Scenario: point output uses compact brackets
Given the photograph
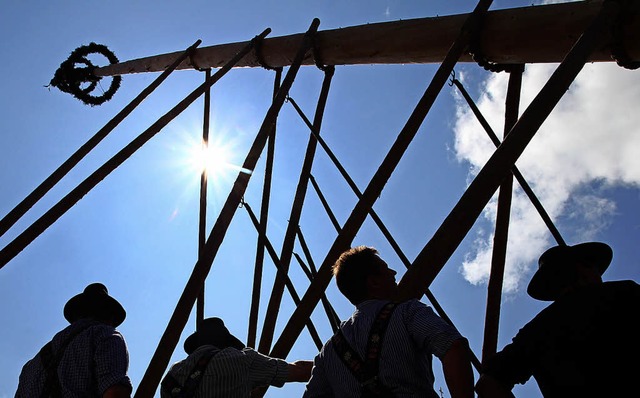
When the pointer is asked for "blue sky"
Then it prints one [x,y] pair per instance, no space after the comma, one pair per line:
[137,230]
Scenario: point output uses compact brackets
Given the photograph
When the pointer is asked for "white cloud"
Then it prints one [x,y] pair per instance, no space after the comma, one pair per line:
[589,143]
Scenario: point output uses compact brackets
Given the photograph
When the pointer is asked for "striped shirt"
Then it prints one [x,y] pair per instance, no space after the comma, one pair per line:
[94,360]
[231,373]
[414,335]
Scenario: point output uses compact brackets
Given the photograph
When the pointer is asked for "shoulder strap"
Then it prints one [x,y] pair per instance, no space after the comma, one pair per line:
[376,335]
[348,356]
[50,362]
[366,371]
[188,390]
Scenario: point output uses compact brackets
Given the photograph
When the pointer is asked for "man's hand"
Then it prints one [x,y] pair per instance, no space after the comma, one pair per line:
[300,371]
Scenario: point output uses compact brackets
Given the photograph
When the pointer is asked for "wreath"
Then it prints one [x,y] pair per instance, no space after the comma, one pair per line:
[76,75]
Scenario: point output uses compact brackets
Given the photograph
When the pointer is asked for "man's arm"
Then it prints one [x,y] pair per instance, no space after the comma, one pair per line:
[318,385]
[300,371]
[456,366]
[489,387]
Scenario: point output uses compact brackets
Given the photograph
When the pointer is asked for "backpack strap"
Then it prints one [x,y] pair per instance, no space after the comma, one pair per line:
[51,361]
[188,390]
[366,371]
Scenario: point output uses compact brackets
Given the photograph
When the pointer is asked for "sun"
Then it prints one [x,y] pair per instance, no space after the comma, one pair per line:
[211,158]
[215,158]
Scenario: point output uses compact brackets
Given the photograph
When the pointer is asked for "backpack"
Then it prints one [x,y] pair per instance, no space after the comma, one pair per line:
[366,371]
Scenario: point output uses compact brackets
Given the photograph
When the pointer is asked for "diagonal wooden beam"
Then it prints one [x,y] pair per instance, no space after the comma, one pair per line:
[313,294]
[446,239]
[171,335]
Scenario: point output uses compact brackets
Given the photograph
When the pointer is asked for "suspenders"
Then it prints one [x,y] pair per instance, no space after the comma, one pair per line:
[176,390]
[51,360]
[367,371]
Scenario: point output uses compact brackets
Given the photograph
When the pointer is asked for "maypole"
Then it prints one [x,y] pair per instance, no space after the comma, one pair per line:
[523,35]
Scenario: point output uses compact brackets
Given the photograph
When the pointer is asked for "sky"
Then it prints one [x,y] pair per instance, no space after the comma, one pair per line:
[137,231]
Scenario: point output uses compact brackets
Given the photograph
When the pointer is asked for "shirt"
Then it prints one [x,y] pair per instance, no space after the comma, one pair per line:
[231,373]
[94,360]
[414,335]
[585,344]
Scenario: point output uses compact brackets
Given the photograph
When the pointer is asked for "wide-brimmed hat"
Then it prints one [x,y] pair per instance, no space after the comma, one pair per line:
[212,332]
[94,302]
[556,267]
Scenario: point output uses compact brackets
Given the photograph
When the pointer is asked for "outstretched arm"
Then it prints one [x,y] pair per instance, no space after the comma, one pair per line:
[456,366]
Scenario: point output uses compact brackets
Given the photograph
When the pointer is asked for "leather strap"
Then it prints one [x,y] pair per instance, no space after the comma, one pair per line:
[51,361]
[188,390]
[366,371]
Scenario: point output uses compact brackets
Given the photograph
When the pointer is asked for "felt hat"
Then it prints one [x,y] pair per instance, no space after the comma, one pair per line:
[212,332]
[94,302]
[556,267]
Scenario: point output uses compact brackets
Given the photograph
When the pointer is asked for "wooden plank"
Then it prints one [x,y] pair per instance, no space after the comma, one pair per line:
[534,34]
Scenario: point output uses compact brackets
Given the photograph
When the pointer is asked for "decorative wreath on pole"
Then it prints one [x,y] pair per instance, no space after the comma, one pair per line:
[75,75]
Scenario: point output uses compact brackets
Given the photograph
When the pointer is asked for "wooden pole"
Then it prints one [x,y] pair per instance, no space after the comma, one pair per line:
[202,222]
[516,173]
[264,217]
[523,35]
[273,308]
[287,281]
[501,234]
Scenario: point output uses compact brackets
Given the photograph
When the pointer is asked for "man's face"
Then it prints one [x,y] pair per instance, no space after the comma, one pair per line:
[383,284]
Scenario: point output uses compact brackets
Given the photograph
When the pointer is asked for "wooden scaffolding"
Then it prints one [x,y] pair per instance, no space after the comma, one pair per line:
[570,34]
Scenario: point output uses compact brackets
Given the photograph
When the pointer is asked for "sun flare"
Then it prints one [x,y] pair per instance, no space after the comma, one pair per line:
[215,159]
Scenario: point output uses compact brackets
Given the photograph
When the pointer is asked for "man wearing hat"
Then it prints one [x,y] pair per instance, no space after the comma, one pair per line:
[585,343]
[219,365]
[88,358]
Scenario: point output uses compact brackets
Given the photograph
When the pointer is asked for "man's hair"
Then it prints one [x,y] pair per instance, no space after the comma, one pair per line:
[352,269]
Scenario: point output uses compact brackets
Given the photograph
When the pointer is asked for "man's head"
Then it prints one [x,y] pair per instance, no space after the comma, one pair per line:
[213,332]
[562,267]
[362,275]
[95,303]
